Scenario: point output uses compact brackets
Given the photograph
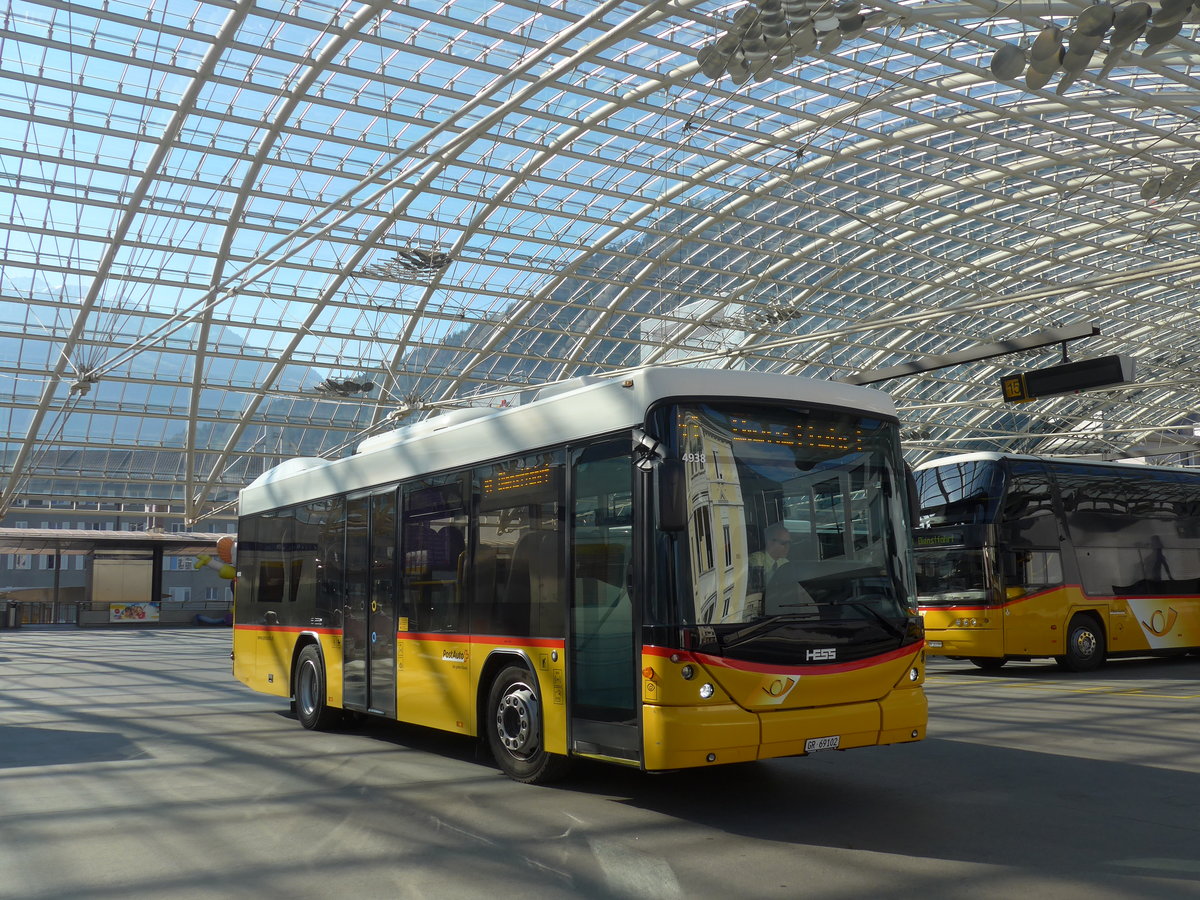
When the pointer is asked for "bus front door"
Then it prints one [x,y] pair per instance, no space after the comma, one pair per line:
[603,665]
[369,635]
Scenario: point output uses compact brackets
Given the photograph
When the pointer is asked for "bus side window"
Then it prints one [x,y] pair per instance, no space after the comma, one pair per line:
[266,546]
[331,549]
[1033,569]
[433,545]
[1029,518]
[517,579]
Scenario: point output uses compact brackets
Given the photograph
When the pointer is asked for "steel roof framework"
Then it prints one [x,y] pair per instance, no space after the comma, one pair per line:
[213,207]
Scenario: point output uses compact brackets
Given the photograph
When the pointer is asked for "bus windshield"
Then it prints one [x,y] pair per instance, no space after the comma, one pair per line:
[962,493]
[796,514]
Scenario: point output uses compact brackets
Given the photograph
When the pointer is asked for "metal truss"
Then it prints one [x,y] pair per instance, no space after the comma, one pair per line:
[213,211]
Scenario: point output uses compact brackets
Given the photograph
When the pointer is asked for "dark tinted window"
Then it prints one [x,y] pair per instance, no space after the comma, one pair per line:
[433,543]
[963,493]
[1134,530]
[517,577]
[279,566]
[263,559]
[330,562]
[1029,515]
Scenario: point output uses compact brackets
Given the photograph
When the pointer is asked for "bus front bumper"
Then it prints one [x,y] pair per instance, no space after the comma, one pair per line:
[963,632]
[964,642]
[687,737]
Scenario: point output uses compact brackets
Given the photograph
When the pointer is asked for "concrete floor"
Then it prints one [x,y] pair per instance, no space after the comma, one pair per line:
[133,766]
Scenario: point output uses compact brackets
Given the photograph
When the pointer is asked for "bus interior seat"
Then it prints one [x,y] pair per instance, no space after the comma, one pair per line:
[419,539]
[449,548]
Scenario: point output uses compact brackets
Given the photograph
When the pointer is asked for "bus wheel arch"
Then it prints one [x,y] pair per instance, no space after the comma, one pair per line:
[1085,643]
[309,688]
[514,726]
[493,666]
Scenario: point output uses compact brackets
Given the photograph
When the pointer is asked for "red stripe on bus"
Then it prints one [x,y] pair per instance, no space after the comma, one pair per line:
[1102,598]
[721,662]
[1013,602]
[293,628]
[502,640]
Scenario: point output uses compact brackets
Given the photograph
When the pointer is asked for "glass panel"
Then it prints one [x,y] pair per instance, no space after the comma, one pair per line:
[948,577]
[963,493]
[518,572]
[357,587]
[1029,517]
[602,673]
[1032,570]
[331,551]
[265,561]
[434,541]
[305,555]
[1133,528]
[381,634]
[806,506]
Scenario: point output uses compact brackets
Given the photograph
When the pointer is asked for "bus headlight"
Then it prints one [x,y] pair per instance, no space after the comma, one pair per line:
[913,674]
[706,691]
[688,673]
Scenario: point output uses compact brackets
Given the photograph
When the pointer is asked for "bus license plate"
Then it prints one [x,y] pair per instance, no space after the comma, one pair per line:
[812,745]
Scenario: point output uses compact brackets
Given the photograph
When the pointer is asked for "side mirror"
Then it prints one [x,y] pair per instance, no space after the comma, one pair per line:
[671,487]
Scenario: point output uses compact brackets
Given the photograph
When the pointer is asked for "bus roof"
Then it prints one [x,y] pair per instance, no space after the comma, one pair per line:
[570,411]
[980,455]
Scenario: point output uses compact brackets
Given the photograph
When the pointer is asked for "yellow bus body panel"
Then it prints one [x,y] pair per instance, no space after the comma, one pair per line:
[1036,624]
[759,714]
[547,658]
[433,682]
[945,638]
[752,714]
[262,659]
[439,678]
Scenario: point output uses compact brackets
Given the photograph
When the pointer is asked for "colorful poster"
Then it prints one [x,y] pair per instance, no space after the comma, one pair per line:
[146,611]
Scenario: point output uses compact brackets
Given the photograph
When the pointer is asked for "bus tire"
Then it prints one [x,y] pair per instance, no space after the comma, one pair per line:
[989,663]
[1085,645]
[515,729]
[309,691]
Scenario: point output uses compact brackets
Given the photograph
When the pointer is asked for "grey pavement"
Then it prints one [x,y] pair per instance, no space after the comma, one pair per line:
[132,765]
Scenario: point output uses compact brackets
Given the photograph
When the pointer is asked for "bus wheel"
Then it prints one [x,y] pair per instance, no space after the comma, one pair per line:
[309,690]
[515,729]
[989,663]
[1085,646]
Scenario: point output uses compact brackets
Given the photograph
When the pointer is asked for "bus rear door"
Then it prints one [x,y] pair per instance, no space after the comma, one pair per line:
[369,636]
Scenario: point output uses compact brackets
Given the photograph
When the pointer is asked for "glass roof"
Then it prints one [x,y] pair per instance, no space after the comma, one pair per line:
[235,232]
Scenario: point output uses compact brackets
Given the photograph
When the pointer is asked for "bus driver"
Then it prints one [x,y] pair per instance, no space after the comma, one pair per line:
[770,567]
[775,553]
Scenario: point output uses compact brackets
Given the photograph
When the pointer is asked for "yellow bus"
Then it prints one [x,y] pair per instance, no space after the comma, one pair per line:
[1021,557]
[580,575]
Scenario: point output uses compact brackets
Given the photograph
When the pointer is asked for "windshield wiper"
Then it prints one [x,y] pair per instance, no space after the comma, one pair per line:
[766,624]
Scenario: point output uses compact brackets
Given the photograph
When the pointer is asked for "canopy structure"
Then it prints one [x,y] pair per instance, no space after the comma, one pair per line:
[235,232]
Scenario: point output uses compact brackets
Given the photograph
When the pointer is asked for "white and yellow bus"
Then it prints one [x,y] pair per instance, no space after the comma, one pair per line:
[1020,557]
[576,576]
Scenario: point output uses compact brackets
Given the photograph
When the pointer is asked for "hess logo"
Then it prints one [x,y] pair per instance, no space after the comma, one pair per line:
[819,655]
